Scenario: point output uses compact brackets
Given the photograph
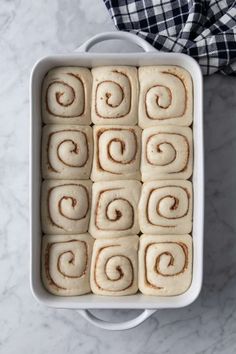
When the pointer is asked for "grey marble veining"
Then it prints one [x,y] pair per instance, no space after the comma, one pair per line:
[28,31]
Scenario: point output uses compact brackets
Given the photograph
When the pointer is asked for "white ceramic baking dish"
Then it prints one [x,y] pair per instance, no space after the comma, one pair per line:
[83,303]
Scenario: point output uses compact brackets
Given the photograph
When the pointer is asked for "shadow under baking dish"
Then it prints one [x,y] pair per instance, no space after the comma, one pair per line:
[137,301]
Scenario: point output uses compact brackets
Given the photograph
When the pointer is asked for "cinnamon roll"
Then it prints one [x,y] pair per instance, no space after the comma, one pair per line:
[65,206]
[114,267]
[167,153]
[66,264]
[114,208]
[117,153]
[165,207]
[165,264]
[66,95]
[67,151]
[166,96]
[115,95]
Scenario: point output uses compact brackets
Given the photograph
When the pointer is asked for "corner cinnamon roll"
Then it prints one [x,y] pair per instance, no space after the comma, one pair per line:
[165,264]
[115,95]
[116,153]
[167,153]
[66,95]
[114,267]
[66,264]
[67,151]
[65,206]
[166,96]
[165,207]
[114,209]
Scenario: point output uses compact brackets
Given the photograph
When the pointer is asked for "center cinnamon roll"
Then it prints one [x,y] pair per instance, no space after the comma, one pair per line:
[114,95]
[116,153]
[114,266]
[165,207]
[114,208]
[65,206]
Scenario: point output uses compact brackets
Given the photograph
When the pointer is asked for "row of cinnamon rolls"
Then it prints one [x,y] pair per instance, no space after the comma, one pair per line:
[122,95]
[116,208]
[156,265]
[116,152]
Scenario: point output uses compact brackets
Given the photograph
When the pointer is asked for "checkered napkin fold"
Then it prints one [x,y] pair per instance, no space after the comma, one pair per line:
[203,29]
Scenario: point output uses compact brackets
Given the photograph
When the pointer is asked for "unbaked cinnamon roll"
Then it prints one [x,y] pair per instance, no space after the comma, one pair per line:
[66,264]
[67,151]
[116,153]
[114,208]
[165,264]
[66,96]
[115,95]
[167,153]
[166,96]
[114,268]
[165,207]
[65,206]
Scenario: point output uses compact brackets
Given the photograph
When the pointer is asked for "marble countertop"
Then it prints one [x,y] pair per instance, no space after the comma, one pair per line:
[28,31]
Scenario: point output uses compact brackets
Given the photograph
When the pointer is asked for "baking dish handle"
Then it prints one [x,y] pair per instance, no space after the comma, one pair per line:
[115,326]
[116,35]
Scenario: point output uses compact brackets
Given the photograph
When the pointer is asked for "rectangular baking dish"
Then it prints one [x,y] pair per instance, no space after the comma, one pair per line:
[83,58]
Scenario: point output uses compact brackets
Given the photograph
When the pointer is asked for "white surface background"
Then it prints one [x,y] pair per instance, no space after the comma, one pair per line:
[28,31]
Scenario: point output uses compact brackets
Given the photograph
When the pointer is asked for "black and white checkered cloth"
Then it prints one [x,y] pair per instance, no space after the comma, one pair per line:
[203,29]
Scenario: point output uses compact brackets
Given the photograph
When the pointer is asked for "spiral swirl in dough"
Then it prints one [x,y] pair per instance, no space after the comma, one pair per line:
[66,95]
[115,95]
[167,153]
[114,266]
[65,206]
[165,264]
[114,208]
[67,151]
[165,96]
[116,153]
[165,207]
[66,264]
